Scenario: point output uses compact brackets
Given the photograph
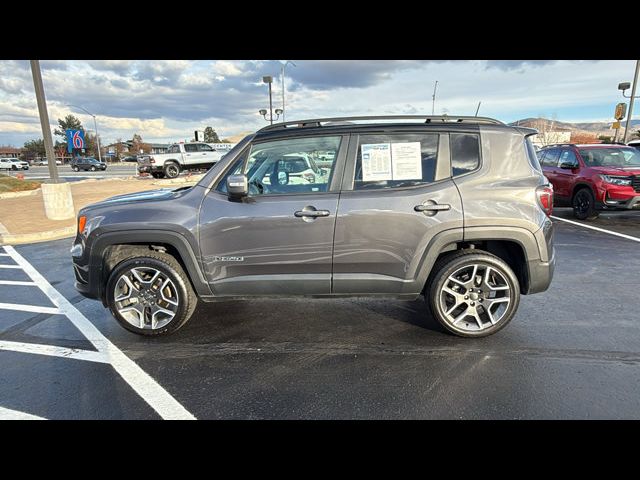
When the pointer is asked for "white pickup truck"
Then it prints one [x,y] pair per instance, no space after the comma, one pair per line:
[180,157]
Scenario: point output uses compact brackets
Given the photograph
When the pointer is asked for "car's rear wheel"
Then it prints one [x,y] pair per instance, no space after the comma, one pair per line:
[171,170]
[150,295]
[584,205]
[473,294]
[13,167]
[157,175]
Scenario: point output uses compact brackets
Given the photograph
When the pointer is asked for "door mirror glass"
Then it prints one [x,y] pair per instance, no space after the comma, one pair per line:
[283,178]
[237,186]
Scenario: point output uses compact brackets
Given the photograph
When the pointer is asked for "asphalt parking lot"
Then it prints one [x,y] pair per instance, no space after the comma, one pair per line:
[115,170]
[572,352]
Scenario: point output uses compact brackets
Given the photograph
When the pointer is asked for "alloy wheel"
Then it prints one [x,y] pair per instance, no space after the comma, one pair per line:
[475,297]
[146,298]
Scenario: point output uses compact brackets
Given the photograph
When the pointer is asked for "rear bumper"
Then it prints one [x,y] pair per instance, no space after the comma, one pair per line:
[541,274]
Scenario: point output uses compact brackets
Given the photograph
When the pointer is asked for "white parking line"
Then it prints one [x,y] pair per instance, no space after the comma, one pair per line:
[54,351]
[622,235]
[9,266]
[8,414]
[4,255]
[30,308]
[144,385]
[15,282]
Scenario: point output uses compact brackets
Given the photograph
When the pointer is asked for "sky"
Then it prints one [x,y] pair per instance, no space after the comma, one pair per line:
[166,100]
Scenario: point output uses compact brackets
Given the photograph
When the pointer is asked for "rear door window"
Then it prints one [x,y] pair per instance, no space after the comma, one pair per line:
[551,157]
[395,160]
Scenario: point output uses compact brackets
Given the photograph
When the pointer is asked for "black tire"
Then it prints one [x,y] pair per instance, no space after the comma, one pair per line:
[93,169]
[584,205]
[13,167]
[447,266]
[157,175]
[168,265]
[171,170]
[75,169]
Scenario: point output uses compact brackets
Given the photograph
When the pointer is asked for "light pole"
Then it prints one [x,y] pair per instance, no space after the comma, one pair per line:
[624,86]
[263,112]
[288,62]
[95,124]
[269,80]
[433,105]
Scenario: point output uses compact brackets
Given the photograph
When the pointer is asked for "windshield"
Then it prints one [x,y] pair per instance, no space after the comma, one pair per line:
[611,157]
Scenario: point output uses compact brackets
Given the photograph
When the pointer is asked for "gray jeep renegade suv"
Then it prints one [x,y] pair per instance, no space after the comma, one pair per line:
[452,208]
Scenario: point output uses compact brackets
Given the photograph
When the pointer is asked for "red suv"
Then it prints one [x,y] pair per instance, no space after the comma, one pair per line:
[593,177]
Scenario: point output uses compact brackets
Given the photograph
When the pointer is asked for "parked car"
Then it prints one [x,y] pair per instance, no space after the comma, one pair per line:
[593,177]
[408,208]
[180,157]
[130,158]
[44,162]
[13,164]
[87,163]
[294,168]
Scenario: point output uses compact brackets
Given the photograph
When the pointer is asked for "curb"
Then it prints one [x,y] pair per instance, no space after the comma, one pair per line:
[25,193]
[22,238]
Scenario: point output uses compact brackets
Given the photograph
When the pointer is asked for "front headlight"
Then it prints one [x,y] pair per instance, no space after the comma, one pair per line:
[614,180]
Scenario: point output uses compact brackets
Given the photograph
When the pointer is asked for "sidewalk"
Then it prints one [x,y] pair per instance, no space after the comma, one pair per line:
[23,220]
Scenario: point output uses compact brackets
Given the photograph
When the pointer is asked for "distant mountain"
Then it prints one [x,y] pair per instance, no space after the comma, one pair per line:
[573,127]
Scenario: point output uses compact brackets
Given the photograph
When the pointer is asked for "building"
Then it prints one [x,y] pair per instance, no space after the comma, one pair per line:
[9,152]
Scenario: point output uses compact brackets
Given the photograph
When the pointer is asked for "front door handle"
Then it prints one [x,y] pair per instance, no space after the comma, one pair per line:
[431,208]
[312,213]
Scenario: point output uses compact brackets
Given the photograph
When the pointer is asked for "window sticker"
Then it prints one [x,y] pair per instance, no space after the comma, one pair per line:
[376,162]
[406,161]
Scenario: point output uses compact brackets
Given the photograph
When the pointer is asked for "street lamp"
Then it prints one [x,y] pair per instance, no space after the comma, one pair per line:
[288,62]
[264,112]
[95,124]
[268,79]
[625,86]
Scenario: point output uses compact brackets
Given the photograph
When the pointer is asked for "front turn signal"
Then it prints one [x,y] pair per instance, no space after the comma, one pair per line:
[82,221]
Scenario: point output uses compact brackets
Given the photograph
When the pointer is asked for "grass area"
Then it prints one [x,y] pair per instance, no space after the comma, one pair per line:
[12,184]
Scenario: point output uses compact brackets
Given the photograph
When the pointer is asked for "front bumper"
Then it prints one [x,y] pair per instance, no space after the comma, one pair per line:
[632,203]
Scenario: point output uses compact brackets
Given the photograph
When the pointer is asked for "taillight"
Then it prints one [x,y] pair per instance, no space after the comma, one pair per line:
[545,198]
[152,160]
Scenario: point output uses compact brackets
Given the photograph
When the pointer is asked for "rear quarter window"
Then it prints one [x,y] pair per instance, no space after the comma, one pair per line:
[532,155]
[465,153]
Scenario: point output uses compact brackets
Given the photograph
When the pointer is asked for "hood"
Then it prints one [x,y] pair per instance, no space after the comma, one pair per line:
[142,197]
[617,170]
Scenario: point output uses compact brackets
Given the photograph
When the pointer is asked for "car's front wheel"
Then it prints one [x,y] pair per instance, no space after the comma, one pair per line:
[584,205]
[75,169]
[473,294]
[93,169]
[150,295]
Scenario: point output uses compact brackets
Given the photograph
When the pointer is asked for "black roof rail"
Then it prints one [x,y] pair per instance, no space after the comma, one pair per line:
[317,122]
[559,145]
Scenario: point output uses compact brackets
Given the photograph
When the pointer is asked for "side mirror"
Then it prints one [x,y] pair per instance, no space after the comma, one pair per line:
[237,186]
[283,178]
[568,165]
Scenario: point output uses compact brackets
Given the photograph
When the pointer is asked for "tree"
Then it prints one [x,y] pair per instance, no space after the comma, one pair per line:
[34,148]
[583,137]
[137,144]
[605,139]
[637,134]
[210,135]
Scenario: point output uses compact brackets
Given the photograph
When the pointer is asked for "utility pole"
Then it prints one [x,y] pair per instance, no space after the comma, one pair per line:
[433,104]
[44,121]
[56,194]
[633,94]
[478,109]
